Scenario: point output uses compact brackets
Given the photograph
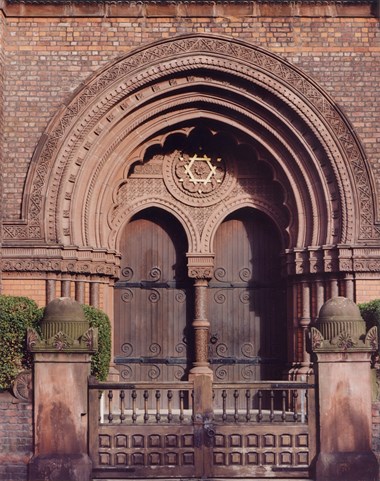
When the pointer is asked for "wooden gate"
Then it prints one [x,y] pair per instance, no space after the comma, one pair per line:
[160,424]
[254,430]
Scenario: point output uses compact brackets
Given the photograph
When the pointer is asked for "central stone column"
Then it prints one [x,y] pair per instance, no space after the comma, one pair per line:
[343,351]
[200,268]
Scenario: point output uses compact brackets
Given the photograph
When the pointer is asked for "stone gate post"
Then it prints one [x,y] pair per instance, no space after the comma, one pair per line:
[60,378]
[342,352]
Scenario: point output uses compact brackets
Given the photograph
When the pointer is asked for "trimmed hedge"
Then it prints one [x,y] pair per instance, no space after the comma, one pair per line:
[16,315]
[19,313]
[100,360]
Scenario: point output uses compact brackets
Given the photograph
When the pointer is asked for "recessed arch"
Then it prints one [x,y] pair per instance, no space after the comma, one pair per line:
[138,98]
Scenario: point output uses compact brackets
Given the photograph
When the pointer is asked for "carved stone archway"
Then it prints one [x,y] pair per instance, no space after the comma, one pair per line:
[78,194]
[131,102]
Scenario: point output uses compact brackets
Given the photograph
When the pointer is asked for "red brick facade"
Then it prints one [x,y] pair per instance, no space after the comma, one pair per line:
[313,67]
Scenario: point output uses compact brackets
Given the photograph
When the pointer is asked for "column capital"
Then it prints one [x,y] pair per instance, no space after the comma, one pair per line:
[200,266]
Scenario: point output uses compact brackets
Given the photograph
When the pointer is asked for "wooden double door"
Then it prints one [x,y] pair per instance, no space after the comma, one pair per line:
[154,301]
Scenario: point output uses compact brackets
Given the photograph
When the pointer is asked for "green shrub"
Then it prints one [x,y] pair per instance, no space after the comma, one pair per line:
[16,315]
[19,313]
[370,312]
[100,360]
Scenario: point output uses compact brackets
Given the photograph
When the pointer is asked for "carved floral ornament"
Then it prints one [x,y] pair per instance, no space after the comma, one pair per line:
[61,341]
[64,153]
[344,341]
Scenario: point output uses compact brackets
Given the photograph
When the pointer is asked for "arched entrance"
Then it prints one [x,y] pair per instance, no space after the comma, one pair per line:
[230,141]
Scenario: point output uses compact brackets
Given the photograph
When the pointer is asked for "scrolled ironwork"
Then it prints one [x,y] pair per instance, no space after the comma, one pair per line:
[127,349]
[221,373]
[126,373]
[245,274]
[180,296]
[154,296]
[244,297]
[221,350]
[155,274]
[127,273]
[180,348]
[220,273]
[155,348]
[127,296]
[154,372]
[248,372]
[248,350]
[220,297]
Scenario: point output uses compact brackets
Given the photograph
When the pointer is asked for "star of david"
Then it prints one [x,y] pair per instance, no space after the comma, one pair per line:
[201,170]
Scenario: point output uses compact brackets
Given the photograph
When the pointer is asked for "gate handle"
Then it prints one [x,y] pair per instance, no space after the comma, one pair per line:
[210,431]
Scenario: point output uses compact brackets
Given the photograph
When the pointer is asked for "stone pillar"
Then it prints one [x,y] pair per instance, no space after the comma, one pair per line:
[343,350]
[200,268]
[61,369]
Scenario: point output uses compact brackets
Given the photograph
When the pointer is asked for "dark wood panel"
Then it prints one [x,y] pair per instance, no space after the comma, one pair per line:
[153,300]
[246,299]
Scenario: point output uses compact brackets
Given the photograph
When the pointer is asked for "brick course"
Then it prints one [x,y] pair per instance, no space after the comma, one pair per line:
[48,58]
[16,438]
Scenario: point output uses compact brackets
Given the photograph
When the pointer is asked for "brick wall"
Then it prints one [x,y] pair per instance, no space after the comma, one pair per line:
[16,438]
[2,67]
[376,429]
[47,58]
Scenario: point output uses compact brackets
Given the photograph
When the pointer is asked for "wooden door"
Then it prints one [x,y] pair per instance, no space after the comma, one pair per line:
[246,300]
[152,306]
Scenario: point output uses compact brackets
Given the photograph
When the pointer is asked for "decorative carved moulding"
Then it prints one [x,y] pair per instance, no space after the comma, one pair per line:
[61,341]
[22,386]
[331,259]
[200,266]
[344,341]
[70,261]
[123,102]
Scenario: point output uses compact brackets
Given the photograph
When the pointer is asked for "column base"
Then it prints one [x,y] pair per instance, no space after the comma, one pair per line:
[352,466]
[60,467]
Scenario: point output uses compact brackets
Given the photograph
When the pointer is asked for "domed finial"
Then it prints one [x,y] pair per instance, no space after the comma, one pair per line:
[63,327]
[340,326]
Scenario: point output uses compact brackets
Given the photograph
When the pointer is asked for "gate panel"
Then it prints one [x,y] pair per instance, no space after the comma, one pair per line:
[144,431]
[255,430]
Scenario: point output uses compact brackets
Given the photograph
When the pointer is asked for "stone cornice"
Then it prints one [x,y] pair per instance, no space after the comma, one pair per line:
[192,2]
[331,259]
[189,8]
[68,260]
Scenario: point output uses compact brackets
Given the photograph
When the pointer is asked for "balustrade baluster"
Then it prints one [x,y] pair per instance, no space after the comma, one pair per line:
[283,414]
[146,398]
[248,405]
[158,415]
[236,404]
[110,397]
[170,397]
[122,405]
[181,405]
[224,409]
[260,412]
[295,396]
[134,412]
[271,413]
